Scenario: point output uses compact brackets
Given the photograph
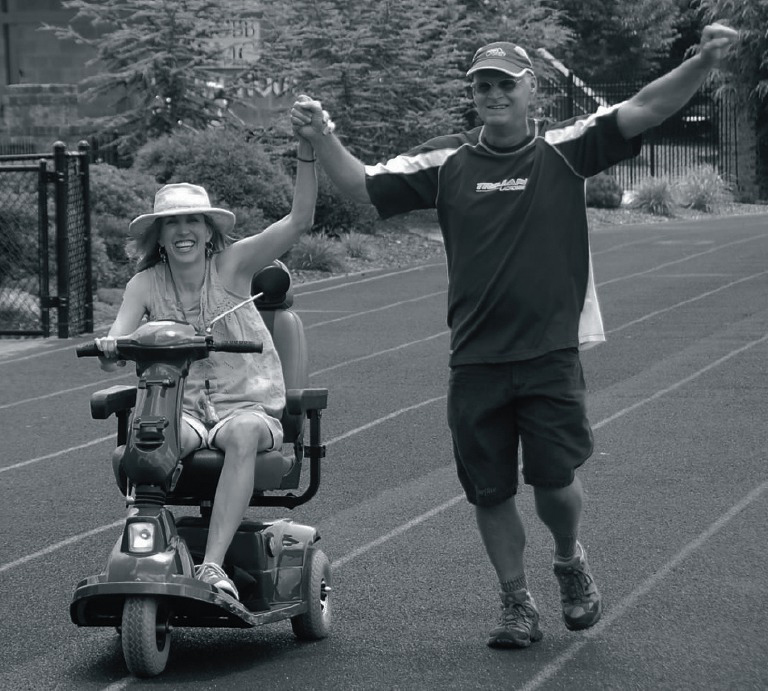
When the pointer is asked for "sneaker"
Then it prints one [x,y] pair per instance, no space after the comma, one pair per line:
[214,575]
[582,604]
[519,624]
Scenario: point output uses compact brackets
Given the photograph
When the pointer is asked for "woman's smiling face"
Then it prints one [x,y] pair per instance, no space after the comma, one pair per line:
[184,236]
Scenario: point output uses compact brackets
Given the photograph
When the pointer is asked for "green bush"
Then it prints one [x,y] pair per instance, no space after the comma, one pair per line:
[120,192]
[235,172]
[702,189]
[315,253]
[336,214]
[604,191]
[357,245]
[654,196]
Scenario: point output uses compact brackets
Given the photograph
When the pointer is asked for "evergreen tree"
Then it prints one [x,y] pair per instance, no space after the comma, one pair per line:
[153,59]
[392,72]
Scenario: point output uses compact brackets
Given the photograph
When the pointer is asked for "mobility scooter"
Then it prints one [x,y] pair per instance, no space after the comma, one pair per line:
[148,586]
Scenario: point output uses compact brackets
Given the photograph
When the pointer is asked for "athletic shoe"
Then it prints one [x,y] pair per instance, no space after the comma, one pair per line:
[519,624]
[214,575]
[582,604]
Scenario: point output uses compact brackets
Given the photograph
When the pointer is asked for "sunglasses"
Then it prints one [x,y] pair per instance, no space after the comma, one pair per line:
[507,86]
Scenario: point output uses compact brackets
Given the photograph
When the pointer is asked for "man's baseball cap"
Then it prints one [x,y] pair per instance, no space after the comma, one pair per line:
[502,56]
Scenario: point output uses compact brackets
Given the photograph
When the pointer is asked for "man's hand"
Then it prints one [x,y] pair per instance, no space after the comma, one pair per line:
[308,118]
[715,41]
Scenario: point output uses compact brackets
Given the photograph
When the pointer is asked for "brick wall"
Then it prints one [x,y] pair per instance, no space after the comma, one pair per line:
[38,114]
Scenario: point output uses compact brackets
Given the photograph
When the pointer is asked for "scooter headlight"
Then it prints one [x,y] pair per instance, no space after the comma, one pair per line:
[141,537]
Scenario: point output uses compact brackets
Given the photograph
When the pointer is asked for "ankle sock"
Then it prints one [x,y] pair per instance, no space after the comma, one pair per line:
[515,584]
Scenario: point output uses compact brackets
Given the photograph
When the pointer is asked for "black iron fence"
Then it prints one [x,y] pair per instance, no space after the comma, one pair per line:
[702,133]
[45,243]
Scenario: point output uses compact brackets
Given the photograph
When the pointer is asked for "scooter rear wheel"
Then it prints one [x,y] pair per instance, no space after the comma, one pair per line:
[146,635]
[315,623]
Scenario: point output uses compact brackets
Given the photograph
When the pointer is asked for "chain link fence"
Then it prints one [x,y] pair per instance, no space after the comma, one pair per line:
[45,244]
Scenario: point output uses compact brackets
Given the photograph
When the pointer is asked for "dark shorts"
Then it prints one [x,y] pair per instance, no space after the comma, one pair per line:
[539,404]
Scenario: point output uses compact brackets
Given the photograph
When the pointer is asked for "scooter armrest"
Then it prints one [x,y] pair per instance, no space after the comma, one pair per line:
[299,401]
[112,400]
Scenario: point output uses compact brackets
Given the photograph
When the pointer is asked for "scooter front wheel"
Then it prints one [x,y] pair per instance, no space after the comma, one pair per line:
[315,623]
[146,635]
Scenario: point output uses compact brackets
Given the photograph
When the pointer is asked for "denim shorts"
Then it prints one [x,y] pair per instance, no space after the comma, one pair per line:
[538,404]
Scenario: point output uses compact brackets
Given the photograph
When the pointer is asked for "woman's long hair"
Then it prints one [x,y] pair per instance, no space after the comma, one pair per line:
[145,250]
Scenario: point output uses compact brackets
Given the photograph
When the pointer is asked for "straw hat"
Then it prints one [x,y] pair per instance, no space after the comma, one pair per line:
[183,198]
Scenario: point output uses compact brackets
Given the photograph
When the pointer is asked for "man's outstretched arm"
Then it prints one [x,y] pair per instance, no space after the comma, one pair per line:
[664,96]
[346,172]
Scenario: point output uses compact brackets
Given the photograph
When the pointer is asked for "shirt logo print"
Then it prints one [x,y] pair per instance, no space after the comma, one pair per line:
[507,185]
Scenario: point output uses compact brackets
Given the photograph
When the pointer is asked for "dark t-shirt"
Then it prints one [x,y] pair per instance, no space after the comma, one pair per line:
[515,229]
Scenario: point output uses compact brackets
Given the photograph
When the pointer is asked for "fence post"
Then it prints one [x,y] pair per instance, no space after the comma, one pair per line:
[570,93]
[42,247]
[85,182]
[62,237]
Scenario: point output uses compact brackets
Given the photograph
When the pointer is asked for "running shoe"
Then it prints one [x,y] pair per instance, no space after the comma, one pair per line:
[519,623]
[214,575]
[582,604]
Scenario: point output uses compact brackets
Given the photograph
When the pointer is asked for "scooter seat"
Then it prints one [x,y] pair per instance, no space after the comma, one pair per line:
[201,470]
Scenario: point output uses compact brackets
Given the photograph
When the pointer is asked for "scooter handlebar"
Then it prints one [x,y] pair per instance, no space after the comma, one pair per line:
[87,350]
[237,346]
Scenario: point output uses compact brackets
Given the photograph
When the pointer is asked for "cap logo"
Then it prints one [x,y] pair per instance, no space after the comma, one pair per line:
[495,53]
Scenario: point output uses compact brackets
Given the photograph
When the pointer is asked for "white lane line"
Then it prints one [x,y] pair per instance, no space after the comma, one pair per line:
[701,296]
[58,545]
[375,310]
[379,352]
[619,610]
[34,355]
[369,279]
[349,556]
[65,391]
[61,452]
[680,261]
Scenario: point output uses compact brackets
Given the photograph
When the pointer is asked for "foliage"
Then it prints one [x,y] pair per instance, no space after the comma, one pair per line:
[234,171]
[391,73]
[654,196]
[702,189]
[317,253]
[617,37]
[604,191]
[745,74]
[357,245]
[152,57]
[335,213]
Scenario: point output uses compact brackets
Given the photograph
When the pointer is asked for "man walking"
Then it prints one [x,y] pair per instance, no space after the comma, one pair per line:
[521,301]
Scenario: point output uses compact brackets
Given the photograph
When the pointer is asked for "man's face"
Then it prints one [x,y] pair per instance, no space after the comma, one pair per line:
[501,99]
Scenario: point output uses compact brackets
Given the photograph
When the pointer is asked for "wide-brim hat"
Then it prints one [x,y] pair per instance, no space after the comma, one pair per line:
[182,198]
[502,56]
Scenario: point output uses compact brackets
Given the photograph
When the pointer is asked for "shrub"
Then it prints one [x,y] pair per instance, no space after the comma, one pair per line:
[315,253]
[336,214]
[654,196]
[235,172]
[604,191]
[119,192]
[357,245]
[702,189]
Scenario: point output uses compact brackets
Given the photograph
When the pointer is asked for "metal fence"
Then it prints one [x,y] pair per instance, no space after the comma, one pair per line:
[702,133]
[45,241]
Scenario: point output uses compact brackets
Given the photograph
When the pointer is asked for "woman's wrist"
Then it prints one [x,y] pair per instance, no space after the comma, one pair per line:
[305,152]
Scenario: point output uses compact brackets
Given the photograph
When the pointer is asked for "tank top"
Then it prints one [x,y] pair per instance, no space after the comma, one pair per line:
[227,381]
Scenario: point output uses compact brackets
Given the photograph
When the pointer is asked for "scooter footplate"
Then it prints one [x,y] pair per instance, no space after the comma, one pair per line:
[98,602]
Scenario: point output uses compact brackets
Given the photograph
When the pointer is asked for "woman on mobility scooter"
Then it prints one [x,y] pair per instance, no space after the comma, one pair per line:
[189,272]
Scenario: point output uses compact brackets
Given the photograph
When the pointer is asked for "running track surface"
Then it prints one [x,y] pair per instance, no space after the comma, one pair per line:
[677,494]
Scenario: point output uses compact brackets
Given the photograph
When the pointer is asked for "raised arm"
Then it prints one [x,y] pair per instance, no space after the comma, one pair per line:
[241,260]
[664,96]
[346,172]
